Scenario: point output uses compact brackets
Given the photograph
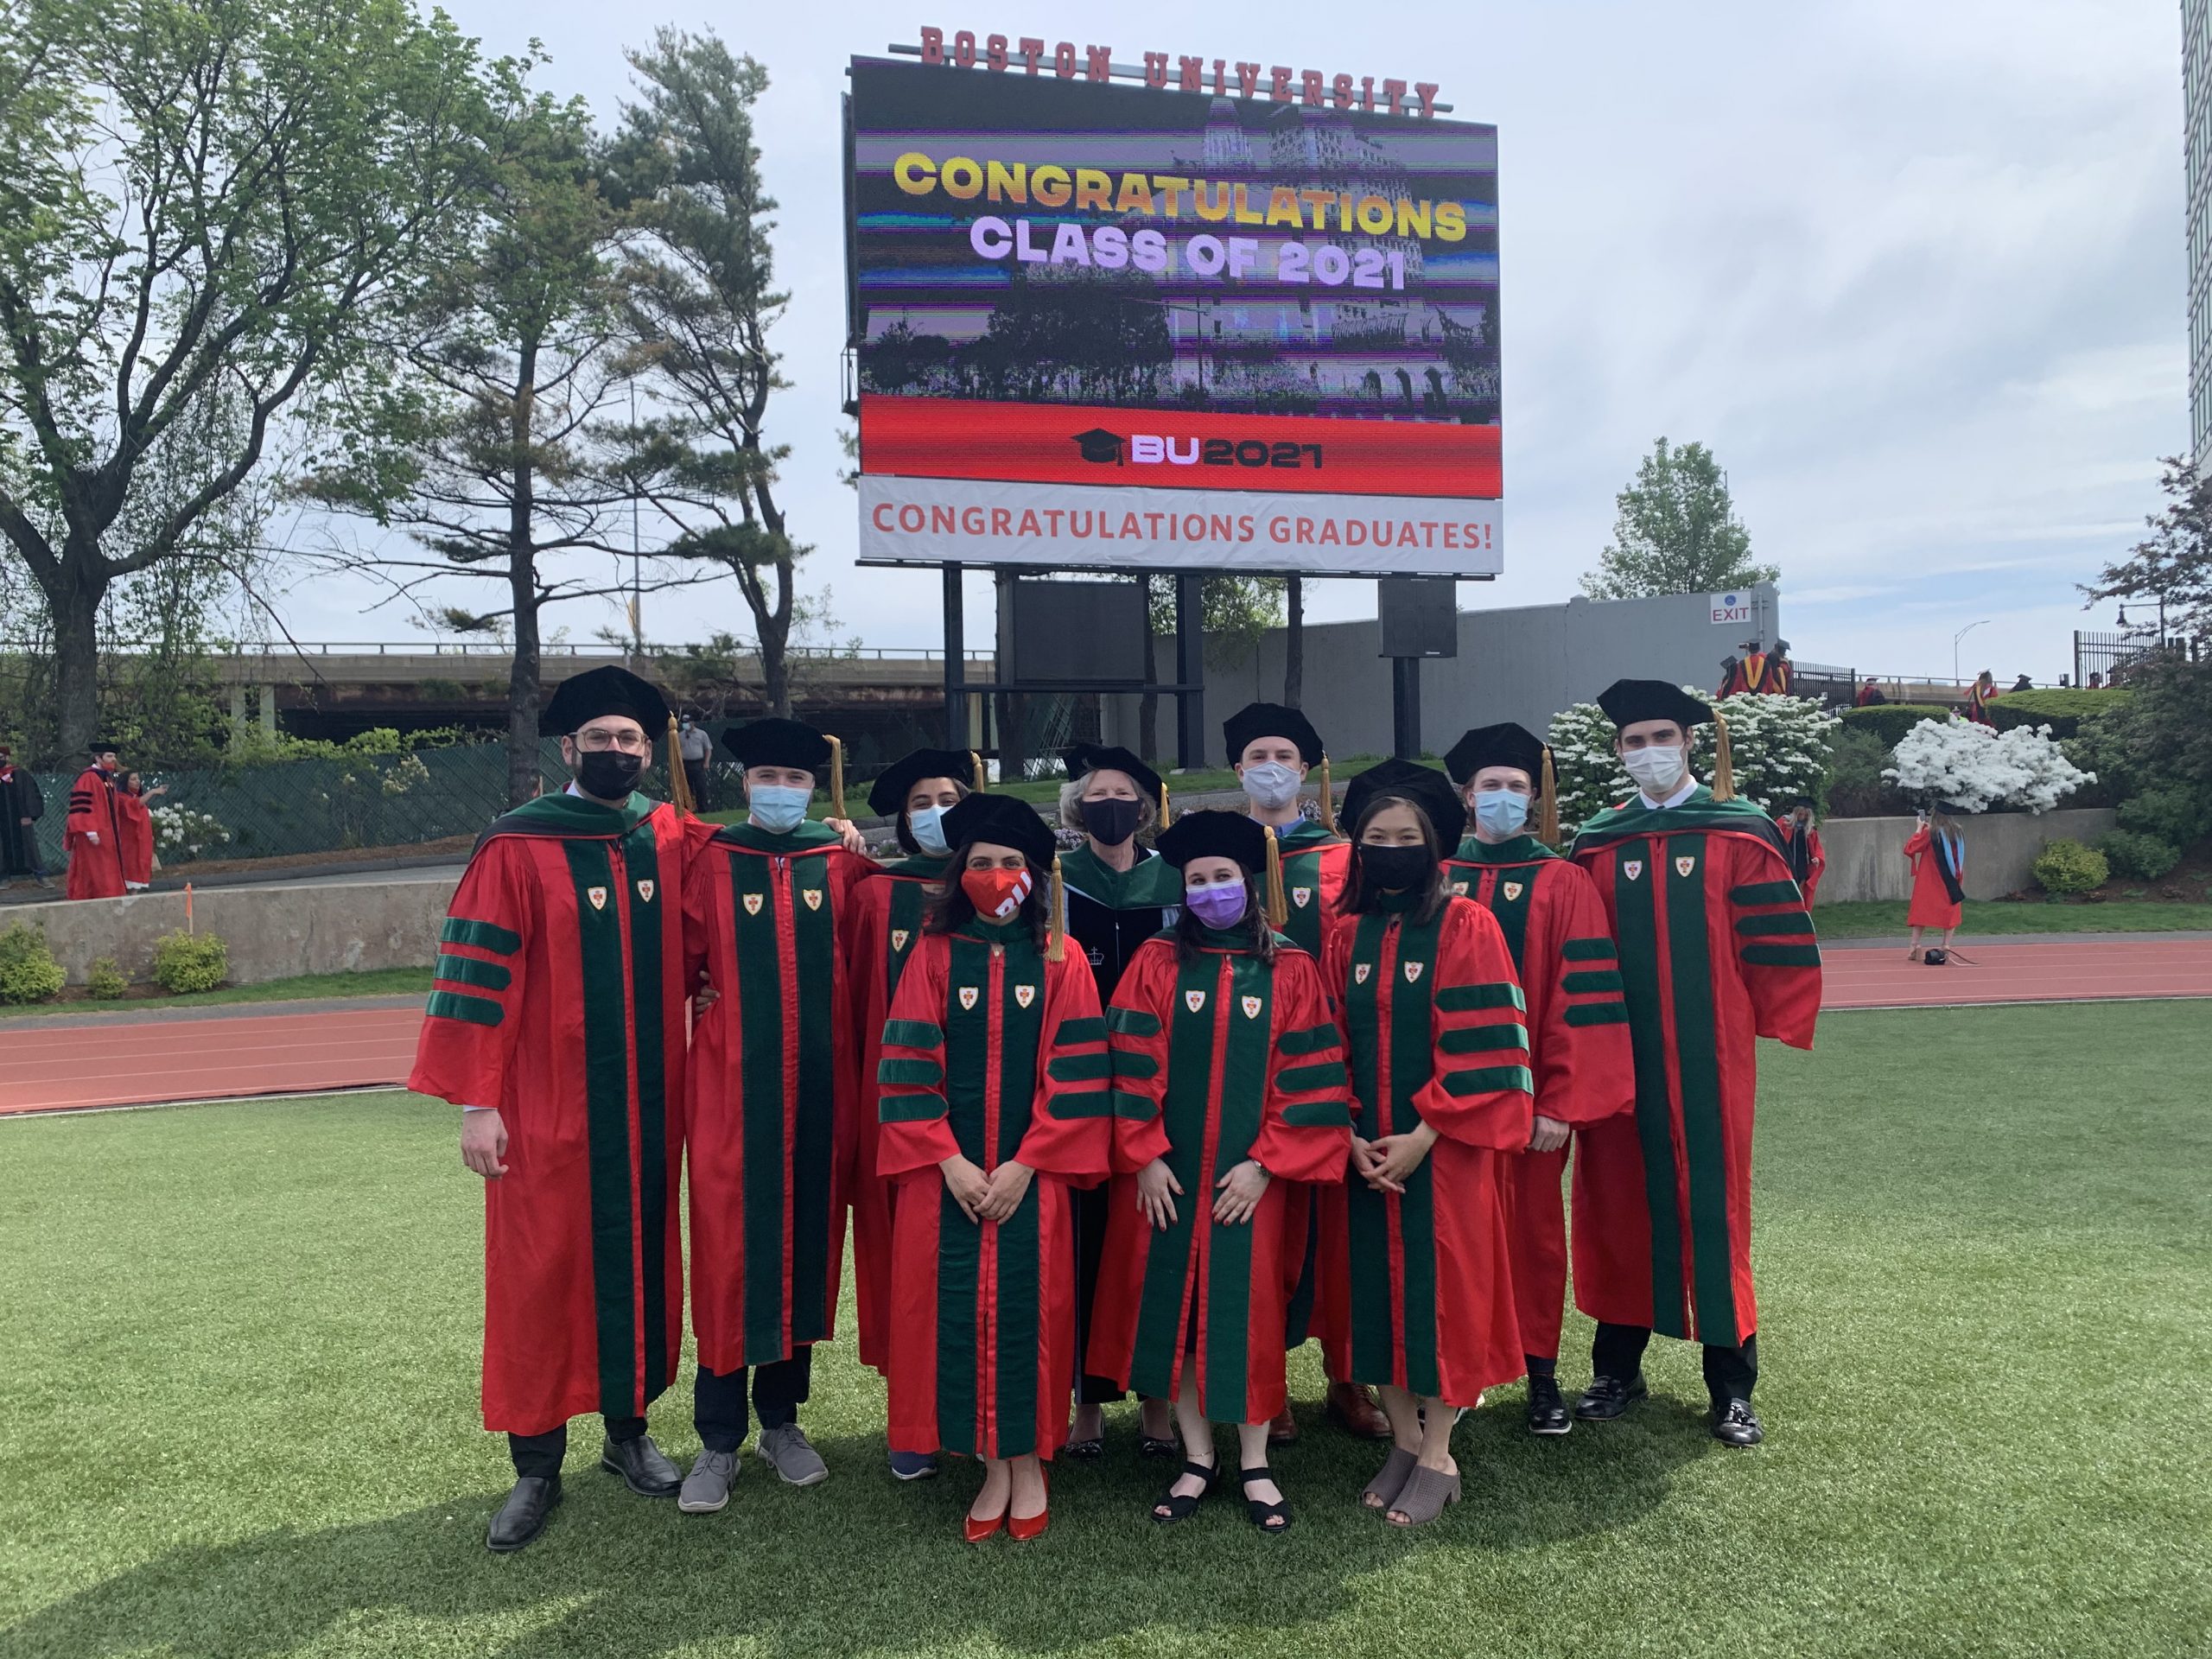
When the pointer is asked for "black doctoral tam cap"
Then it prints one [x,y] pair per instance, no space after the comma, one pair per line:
[1215,835]
[1626,701]
[775,742]
[1426,787]
[1004,820]
[1271,720]
[887,796]
[1084,759]
[1503,745]
[584,698]
[103,746]
[1100,445]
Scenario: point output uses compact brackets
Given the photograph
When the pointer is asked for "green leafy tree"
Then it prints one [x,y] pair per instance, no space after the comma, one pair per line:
[2172,566]
[195,195]
[1234,611]
[1676,532]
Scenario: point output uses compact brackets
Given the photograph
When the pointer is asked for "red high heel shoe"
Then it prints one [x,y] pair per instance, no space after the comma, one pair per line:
[979,1531]
[1022,1531]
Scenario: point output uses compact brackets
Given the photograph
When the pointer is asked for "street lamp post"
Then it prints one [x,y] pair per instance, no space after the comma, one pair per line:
[1955,638]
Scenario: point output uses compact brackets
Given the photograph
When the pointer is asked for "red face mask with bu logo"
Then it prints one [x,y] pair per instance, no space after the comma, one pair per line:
[996,894]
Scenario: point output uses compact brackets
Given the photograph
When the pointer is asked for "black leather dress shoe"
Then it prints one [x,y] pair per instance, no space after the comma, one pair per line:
[522,1517]
[643,1467]
[1734,1423]
[1547,1410]
[1607,1397]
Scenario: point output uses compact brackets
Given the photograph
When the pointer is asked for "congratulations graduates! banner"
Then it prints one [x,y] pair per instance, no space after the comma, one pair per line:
[1267,311]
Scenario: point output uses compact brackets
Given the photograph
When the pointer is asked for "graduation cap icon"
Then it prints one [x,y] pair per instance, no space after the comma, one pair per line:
[1101,445]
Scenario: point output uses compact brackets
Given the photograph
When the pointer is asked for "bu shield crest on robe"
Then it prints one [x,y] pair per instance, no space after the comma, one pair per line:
[752,904]
[968,995]
[1513,891]
[1632,867]
[1025,995]
[646,891]
[1684,865]
[1194,1000]
[598,897]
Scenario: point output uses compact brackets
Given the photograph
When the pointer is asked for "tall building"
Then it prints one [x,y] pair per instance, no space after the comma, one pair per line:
[2197,99]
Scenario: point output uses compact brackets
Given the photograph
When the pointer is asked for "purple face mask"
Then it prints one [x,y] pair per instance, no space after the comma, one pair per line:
[1218,906]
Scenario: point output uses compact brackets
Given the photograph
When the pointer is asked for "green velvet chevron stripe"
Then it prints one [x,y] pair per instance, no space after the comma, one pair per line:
[912,1034]
[1778,923]
[456,1005]
[1469,999]
[1597,1014]
[481,936]
[1475,1039]
[1589,950]
[1486,1080]
[1782,956]
[1132,1022]
[1765,893]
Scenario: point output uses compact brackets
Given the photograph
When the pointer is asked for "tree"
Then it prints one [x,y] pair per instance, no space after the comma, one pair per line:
[1676,532]
[699,304]
[196,195]
[508,449]
[1234,611]
[2172,566]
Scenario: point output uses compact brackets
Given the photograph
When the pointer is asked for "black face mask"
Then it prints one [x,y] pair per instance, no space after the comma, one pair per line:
[1111,821]
[608,774]
[1395,868]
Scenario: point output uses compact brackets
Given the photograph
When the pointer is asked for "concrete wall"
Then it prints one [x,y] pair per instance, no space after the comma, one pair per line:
[273,932]
[1522,664]
[1866,856]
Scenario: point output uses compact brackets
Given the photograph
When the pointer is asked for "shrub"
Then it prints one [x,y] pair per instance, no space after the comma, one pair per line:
[1975,767]
[2175,814]
[28,972]
[2066,866]
[2063,711]
[2143,858]
[190,962]
[104,981]
[1857,788]
[1890,720]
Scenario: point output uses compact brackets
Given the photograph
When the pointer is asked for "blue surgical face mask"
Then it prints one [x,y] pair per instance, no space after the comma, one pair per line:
[777,808]
[928,826]
[1501,812]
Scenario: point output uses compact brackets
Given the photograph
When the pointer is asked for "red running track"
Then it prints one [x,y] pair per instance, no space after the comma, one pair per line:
[2088,969]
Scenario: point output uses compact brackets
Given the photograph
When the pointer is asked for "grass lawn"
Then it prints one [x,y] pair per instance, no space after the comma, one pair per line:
[1883,918]
[375,982]
[239,1356]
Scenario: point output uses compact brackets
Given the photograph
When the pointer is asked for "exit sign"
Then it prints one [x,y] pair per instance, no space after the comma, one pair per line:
[1730,609]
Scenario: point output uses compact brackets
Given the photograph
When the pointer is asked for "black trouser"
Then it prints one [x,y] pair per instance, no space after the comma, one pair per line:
[1729,1372]
[695,773]
[540,1455]
[1089,1208]
[718,1399]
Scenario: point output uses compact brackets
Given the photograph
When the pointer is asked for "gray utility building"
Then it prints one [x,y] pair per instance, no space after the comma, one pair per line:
[1523,665]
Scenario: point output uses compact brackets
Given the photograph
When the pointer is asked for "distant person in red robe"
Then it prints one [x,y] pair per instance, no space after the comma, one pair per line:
[557,1021]
[1229,1092]
[138,825]
[1800,846]
[1716,950]
[1870,694]
[1417,1243]
[995,1096]
[1563,955]
[94,834]
[1938,853]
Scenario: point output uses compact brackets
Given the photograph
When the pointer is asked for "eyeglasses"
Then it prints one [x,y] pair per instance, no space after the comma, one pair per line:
[600,740]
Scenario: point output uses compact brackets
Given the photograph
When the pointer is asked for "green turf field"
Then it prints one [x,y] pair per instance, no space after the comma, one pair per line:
[238,1353]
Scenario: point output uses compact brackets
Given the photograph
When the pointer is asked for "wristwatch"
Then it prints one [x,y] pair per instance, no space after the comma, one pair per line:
[1261,1168]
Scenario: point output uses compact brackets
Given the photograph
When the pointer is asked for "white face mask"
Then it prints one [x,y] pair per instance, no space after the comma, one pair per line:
[928,824]
[1271,784]
[1656,771]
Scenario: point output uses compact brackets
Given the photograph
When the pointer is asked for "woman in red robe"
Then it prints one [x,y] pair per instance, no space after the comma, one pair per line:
[1416,1246]
[1229,1089]
[136,827]
[993,1095]
[1938,853]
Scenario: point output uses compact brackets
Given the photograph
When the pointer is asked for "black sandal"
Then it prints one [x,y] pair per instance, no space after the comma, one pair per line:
[1274,1519]
[1180,1508]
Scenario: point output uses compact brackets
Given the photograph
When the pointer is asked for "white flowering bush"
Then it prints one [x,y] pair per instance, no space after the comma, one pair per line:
[180,830]
[1975,767]
[1779,748]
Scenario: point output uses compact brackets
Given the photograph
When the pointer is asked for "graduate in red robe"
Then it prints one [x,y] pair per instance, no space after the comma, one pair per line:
[1415,1245]
[1563,955]
[1273,749]
[94,834]
[883,927]
[1800,847]
[1230,1090]
[993,1095]
[136,827]
[772,1090]
[1938,853]
[1980,695]
[557,1019]
[1716,950]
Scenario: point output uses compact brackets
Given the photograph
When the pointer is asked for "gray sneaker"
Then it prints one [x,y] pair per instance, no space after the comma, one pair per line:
[786,1449]
[706,1489]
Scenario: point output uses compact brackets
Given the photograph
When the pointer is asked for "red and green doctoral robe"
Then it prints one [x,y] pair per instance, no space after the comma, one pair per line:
[1563,955]
[559,999]
[1716,950]
[1418,1286]
[884,925]
[1217,1060]
[95,871]
[996,1055]
[1314,862]
[773,1086]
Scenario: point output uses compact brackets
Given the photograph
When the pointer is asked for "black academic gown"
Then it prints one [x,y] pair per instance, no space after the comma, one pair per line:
[19,799]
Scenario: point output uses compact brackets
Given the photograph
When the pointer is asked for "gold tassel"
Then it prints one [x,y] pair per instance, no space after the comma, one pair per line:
[976,761]
[1056,939]
[1724,772]
[837,779]
[1164,819]
[1328,799]
[1547,820]
[679,782]
[1278,910]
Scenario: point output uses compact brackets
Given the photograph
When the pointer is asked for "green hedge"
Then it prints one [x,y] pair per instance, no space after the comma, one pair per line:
[1890,720]
[2062,711]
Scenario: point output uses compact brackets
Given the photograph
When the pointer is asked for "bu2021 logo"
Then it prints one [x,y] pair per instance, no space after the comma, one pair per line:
[1105,448]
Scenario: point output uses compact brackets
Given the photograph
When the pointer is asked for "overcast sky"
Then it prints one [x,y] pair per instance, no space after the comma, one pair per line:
[1914,271]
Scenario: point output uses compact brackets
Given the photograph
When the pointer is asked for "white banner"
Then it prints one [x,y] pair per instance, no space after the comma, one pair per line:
[1071,527]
